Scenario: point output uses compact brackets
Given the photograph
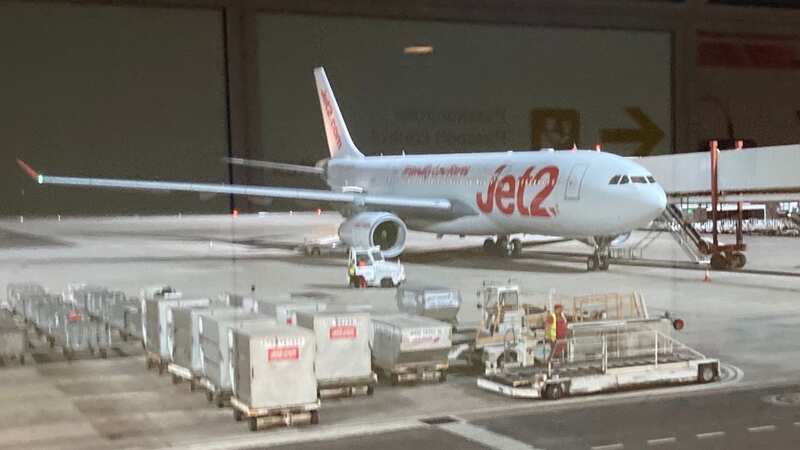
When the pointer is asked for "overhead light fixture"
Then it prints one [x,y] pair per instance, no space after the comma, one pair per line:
[418,50]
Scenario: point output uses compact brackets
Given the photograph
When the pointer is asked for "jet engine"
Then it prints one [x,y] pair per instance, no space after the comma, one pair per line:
[370,229]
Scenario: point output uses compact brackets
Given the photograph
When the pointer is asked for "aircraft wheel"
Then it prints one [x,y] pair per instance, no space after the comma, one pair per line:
[592,263]
[516,248]
[489,246]
[738,260]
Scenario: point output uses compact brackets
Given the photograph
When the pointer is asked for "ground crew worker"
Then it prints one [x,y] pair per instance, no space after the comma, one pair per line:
[556,332]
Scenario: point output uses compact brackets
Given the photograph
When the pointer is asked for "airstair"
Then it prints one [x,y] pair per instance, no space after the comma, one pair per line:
[687,237]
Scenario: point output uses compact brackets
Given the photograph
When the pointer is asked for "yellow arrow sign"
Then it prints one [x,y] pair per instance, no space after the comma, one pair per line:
[648,135]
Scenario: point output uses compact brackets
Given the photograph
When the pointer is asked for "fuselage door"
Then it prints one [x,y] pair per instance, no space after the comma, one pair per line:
[573,191]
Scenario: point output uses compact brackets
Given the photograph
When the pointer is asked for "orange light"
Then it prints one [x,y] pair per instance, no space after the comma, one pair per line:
[418,50]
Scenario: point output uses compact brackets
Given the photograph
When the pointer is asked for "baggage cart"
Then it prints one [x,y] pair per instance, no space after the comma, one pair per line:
[273,379]
[440,303]
[214,349]
[409,348]
[184,340]
[13,340]
[343,364]
[15,292]
[76,333]
[604,357]
[156,328]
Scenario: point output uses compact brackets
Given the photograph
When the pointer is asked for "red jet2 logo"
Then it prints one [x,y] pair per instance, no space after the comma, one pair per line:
[509,192]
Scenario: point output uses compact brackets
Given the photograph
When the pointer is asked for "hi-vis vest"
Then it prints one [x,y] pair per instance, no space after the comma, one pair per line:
[551,332]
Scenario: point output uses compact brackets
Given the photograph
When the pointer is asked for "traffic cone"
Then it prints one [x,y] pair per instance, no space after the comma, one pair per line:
[707,277]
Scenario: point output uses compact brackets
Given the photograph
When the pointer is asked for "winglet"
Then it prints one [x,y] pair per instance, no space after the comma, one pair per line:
[29,170]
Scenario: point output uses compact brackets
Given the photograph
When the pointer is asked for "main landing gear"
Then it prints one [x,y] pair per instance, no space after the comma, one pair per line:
[503,246]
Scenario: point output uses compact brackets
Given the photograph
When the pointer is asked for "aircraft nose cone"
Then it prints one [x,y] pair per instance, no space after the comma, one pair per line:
[655,200]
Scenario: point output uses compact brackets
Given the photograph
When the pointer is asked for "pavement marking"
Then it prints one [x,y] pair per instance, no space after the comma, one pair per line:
[484,436]
[797,424]
[762,429]
[711,435]
[608,447]
[662,441]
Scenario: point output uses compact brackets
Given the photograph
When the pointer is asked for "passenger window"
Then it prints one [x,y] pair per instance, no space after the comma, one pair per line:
[614,179]
[624,180]
[651,179]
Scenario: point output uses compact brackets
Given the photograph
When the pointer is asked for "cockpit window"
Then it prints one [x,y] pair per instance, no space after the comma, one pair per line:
[651,179]
[640,180]
[624,180]
[614,179]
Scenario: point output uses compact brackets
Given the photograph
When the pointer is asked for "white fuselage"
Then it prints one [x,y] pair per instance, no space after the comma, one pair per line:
[562,193]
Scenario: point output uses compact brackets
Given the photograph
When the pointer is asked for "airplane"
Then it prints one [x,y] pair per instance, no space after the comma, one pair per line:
[588,195]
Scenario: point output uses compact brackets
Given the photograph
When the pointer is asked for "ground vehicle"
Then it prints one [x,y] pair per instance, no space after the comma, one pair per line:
[367,267]
[327,246]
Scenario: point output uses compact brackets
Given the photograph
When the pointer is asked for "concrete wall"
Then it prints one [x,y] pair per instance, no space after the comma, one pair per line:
[110,91]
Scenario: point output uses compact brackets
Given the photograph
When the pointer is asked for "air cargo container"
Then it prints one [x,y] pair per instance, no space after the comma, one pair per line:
[156,327]
[440,303]
[76,332]
[343,362]
[410,348]
[184,342]
[273,376]
[215,351]
[285,309]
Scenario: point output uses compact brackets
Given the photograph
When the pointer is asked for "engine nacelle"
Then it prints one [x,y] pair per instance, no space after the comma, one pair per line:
[369,229]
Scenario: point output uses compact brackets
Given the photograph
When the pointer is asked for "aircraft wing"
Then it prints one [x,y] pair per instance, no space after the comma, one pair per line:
[354,198]
[275,166]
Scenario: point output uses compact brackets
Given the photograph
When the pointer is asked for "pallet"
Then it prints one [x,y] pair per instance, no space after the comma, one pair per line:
[154,361]
[262,418]
[347,387]
[220,397]
[415,373]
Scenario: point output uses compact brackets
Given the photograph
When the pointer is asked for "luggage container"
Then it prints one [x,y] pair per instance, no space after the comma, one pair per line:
[410,348]
[76,332]
[440,303]
[13,340]
[133,322]
[187,363]
[273,377]
[238,301]
[15,292]
[41,310]
[343,362]
[156,328]
[115,316]
[79,293]
[285,309]
[214,349]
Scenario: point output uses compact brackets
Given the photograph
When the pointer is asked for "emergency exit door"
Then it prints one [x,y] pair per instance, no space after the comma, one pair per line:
[574,182]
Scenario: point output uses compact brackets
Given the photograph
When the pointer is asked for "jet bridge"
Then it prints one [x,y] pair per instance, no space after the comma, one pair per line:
[732,176]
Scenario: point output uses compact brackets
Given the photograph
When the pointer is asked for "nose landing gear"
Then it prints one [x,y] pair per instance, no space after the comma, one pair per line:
[598,261]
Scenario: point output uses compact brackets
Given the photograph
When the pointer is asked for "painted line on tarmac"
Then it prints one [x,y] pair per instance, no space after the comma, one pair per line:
[616,446]
[797,424]
[711,435]
[762,429]
[297,436]
[484,437]
[661,441]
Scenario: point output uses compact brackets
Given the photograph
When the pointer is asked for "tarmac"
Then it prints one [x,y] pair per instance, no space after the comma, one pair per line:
[751,322]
